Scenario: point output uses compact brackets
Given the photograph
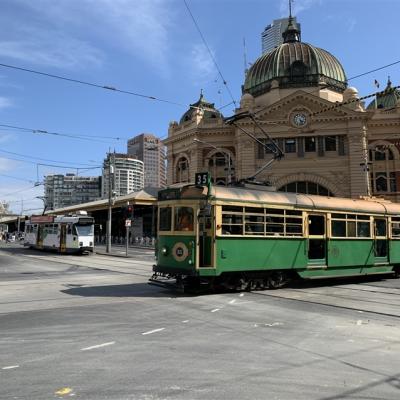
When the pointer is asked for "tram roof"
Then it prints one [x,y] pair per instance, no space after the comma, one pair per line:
[372,206]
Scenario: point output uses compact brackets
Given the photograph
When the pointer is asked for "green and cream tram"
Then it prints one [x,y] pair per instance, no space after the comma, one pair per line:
[255,239]
[65,234]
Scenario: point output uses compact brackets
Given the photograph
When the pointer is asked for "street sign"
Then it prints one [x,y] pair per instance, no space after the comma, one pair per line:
[128,222]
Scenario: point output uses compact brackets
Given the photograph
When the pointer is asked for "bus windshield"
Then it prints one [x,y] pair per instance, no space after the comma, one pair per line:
[85,230]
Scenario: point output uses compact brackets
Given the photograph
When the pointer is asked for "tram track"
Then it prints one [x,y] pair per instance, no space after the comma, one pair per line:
[319,303]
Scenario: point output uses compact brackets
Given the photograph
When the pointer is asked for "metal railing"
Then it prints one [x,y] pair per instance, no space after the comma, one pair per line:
[134,241]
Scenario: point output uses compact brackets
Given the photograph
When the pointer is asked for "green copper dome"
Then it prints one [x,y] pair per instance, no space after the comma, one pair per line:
[295,64]
[208,108]
[387,99]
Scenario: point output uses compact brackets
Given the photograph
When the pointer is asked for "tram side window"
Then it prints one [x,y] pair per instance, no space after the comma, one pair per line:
[183,219]
[232,220]
[254,221]
[395,227]
[69,229]
[350,225]
[165,219]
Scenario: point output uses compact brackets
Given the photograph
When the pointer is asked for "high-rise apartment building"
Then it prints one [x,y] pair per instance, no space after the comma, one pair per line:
[271,37]
[127,174]
[70,189]
[149,149]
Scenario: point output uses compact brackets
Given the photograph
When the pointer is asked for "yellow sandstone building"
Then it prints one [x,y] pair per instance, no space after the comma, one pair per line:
[349,150]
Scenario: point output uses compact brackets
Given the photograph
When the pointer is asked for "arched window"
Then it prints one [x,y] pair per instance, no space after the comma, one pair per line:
[306,187]
[182,170]
[382,171]
[221,168]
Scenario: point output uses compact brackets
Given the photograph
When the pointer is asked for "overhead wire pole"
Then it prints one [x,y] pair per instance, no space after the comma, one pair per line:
[110,192]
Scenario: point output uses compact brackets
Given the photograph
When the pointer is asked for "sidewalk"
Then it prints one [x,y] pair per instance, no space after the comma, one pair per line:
[118,250]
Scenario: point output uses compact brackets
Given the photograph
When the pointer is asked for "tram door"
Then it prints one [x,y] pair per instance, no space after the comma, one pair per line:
[380,240]
[316,239]
[205,242]
[63,237]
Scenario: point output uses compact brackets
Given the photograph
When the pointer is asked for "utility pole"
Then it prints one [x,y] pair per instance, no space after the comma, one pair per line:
[110,193]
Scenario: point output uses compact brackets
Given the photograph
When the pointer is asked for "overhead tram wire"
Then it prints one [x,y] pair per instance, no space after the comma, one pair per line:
[210,52]
[96,85]
[43,159]
[17,178]
[51,165]
[46,132]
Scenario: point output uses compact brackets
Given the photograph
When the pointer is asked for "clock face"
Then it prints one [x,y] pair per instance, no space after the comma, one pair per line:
[299,119]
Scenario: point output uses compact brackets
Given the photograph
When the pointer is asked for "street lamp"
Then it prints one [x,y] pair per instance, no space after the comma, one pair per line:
[226,156]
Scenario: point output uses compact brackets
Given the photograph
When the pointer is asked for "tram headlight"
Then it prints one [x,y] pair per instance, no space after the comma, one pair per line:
[164,251]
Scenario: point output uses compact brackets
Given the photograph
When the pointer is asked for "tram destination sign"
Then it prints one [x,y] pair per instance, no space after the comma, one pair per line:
[40,219]
[201,178]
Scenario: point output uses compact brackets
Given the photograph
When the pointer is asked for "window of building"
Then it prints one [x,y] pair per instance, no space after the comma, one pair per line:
[330,143]
[309,144]
[182,170]
[290,145]
[306,187]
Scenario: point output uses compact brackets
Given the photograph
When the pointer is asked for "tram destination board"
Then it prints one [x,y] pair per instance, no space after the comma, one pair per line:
[201,178]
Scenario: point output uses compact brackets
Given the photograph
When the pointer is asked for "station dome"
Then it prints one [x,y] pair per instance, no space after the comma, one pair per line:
[208,109]
[295,64]
[386,99]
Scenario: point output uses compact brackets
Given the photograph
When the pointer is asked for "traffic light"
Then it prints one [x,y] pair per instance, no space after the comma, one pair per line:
[129,212]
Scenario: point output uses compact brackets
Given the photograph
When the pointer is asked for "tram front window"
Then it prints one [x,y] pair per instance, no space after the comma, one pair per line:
[84,230]
[183,219]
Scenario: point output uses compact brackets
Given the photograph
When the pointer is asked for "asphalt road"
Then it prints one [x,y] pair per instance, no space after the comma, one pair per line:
[90,327]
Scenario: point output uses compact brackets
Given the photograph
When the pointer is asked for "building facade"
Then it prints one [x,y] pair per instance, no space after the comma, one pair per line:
[70,189]
[149,149]
[127,175]
[333,144]
[271,37]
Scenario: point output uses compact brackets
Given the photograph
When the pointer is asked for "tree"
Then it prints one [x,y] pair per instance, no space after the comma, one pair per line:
[4,207]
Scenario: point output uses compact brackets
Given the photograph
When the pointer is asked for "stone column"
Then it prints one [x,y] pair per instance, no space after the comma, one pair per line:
[359,177]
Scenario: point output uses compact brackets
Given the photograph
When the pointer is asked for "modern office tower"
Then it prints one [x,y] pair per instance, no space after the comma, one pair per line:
[127,174]
[271,37]
[149,149]
[70,189]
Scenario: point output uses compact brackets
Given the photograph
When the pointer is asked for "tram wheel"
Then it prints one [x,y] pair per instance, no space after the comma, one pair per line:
[396,274]
[276,280]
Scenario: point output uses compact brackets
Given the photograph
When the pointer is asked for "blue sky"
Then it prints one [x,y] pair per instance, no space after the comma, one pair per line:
[151,47]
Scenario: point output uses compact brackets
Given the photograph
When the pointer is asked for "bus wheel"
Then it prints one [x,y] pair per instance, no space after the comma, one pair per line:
[276,280]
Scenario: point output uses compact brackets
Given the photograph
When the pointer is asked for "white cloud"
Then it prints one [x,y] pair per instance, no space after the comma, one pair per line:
[199,64]
[50,49]
[140,28]
[5,102]
[7,165]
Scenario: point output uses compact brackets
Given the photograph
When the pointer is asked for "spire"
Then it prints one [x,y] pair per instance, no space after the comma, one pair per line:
[292,33]
[389,83]
[201,95]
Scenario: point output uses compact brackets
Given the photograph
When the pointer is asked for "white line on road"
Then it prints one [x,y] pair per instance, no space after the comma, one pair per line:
[185,321]
[153,331]
[232,301]
[215,310]
[241,294]
[11,367]
[98,346]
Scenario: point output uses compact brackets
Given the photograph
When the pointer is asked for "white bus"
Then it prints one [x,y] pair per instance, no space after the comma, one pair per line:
[65,234]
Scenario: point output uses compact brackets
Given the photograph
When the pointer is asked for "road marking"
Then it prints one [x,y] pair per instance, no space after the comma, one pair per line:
[215,310]
[98,346]
[185,321]
[274,324]
[232,301]
[63,391]
[241,294]
[11,367]
[153,331]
